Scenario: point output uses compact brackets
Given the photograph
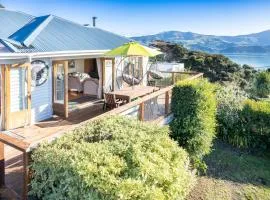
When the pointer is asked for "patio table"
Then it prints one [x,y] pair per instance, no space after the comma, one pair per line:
[130,93]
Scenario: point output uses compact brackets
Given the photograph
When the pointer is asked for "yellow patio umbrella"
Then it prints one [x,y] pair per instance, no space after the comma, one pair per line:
[133,49]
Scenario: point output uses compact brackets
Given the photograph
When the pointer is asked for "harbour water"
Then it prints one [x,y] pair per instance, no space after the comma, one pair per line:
[258,61]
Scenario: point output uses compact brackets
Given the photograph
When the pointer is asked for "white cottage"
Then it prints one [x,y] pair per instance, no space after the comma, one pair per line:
[48,63]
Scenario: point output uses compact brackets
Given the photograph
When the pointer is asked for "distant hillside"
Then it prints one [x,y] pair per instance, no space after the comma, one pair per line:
[251,43]
[216,67]
[247,49]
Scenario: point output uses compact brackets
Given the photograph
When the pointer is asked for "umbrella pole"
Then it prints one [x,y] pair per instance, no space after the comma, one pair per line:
[133,72]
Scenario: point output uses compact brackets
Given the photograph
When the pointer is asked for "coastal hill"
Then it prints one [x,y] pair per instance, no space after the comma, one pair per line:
[251,43]
[216,67]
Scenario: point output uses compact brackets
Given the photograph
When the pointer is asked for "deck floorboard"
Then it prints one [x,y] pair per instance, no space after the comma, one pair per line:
[38,132]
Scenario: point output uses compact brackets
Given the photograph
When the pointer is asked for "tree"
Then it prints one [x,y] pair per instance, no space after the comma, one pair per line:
[262,84]
[217,68]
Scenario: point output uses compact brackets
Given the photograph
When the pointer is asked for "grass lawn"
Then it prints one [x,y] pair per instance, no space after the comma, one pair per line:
[233,174]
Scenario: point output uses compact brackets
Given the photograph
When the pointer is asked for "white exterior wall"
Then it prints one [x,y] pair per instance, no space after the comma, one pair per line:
[170,67]
[42,98]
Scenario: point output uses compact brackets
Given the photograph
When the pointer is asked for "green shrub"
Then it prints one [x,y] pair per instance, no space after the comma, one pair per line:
[115,158]
[230,100]
[194,124]
[252,130]
[262,84]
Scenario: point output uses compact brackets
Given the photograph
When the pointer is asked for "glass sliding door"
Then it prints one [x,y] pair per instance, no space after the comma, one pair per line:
[60,84]
[60,88]
[17,95]
[1,94]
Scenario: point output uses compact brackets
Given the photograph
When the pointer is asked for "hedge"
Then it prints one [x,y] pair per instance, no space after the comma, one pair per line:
[262,84]
[230,99]
[252,129]
[194,124]
[114,158]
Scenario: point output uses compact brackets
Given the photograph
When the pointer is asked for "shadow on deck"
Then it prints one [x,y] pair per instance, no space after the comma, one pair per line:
[38,132]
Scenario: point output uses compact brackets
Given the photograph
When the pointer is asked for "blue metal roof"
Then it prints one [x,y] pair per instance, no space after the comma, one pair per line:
[64,35]
[26,31]
[11,21]
[51,33]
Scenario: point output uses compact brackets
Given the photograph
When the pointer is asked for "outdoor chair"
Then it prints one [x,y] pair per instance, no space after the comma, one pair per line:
[111,102]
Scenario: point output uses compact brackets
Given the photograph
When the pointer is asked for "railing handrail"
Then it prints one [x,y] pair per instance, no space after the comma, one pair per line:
[24,146]
[14,142]
[137,102]
[115,111]
[177,72]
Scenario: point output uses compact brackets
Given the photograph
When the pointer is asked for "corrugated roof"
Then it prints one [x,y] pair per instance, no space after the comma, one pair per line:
[28,33]
[58,34]
[11,21]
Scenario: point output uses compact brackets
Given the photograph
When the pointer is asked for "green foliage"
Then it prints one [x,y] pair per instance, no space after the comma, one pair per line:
[217,68]
[230,100]
[115,158]
[251,128]
[262,84]
[228,166]
[194,109]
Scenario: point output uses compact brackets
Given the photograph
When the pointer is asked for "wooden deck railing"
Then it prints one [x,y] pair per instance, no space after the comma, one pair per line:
[164,91]
[20,146]
[25,148]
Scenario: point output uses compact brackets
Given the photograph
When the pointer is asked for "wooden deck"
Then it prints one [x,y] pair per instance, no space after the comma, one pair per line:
[149,108]
[39,132]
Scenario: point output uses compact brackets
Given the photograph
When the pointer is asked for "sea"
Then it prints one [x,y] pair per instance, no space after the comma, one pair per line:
[258,61]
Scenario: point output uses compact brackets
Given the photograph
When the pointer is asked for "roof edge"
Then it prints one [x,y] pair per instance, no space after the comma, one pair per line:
[8,44]
[53,54]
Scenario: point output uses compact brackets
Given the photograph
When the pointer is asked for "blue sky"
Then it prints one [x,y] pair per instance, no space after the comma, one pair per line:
[139,17]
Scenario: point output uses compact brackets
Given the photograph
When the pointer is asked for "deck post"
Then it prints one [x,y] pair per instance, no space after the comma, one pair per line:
[141,112]
[2,165]
[167,98]
[66,88]
[103,75]
[113,74]
[29,86]
[173,78]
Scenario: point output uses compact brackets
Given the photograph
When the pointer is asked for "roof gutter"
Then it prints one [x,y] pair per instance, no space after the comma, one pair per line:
[12,56]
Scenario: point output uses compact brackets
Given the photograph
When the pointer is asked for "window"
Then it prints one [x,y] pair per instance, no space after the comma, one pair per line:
[59,84]
[18,89]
